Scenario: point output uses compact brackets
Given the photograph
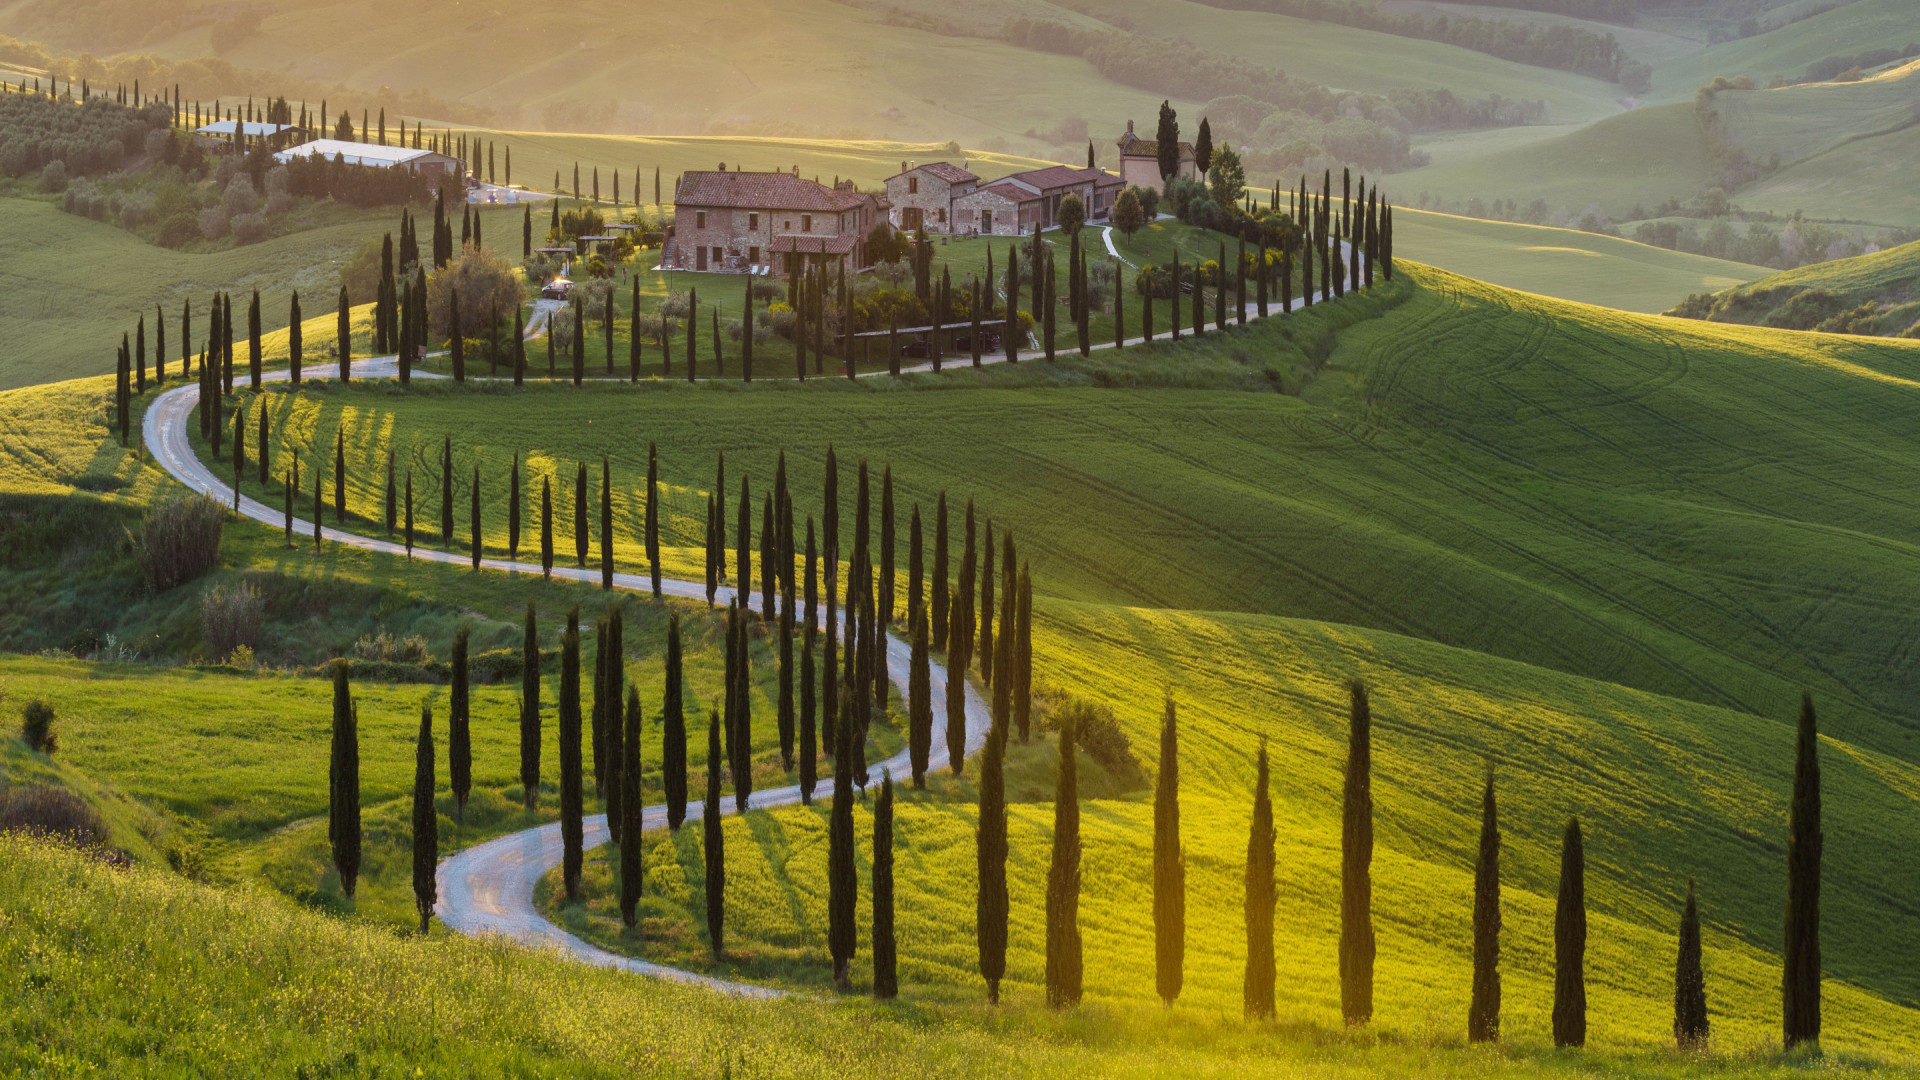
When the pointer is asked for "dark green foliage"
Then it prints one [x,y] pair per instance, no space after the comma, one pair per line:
[459,738]
[1570,942]
[343,783]
[426,821]
[920,703]
[653,517]
[1257,990]
[474,542]
[1064,962]
[546,527]
[883,599]
[956,698]
[940,583]
[1168,134]
[1022,650]
[530,709]
[1690,1026]
[673,728]
[984,636]
[784,705]
[1169,866]
[606,524]
[809,739]
[581,529]
[1483,1013]
[1800,979]
[886,983]
[842,883]
[714,842]
[631,805]
[1356,862]
[990,909]
[572,797]
[612,689]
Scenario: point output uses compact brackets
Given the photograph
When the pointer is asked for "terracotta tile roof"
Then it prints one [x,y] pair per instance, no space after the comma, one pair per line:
[945,170]
[1132,145]
[762,191]
[1021,187]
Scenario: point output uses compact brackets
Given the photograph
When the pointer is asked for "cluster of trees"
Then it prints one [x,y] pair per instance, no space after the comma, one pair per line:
[84,139]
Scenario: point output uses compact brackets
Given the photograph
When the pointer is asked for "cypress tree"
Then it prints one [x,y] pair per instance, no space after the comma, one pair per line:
[1483,1013]
[842,885]
[809,741]
[160,343]
[598,727]
[318,505]
[339,476]
[581,530]
[714,555]
[459,738]
[513,509]
[530,709]
[631,869]
[883,601]
[1800,979]
[990,910]
[1356,880]
[1169,867]
[985,634]
[1064,962]
[1689,980]
[253,341]
[969,565]
[612,686]
[473,519]
[1570,942]
[1022,648]
[571,795]
[343,804]
[290,485]
[741,704]
[785,713]
[920,703]
[886,983]
[673,749]
[261,444]
[767,545]
[940,585]
[653,517]
[714,842]
[426,821]
[1257,990]
[606,523]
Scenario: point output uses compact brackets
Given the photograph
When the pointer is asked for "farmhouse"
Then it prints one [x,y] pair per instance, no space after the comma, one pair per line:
[921,197]
[1140,161]
[762,222]
[1029,201]
[418,162]
[222,132]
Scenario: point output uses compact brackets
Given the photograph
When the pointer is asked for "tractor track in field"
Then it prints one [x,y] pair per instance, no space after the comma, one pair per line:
[488,888]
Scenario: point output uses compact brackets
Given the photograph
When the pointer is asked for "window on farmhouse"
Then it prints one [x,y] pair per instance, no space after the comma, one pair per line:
[913,185]
[753,222]
[699,219]
[806,222]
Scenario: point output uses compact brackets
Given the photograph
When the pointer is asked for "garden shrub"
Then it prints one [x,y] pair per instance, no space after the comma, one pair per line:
[179,540]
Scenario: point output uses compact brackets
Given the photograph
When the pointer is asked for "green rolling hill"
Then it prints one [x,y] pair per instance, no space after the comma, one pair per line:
[1867,294]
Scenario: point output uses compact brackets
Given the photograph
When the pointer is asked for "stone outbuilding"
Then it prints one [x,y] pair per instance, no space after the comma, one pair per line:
[1030,201]
[922,196]
[761,222]
[1140,161]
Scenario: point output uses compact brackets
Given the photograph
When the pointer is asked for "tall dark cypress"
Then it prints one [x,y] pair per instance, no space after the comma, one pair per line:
[1022,647]
[572,796]
[253,342]
[985,634]
[842,883]
[1257,989]
[513,509]
[673,731]
[343,804]
[1483,1013]
[582,538]
[459,737]
[631,869]
[940,584]
[990,908]
[768,548]
[1356,863]
[743,545]
[714,843]
[714,555]
[883,600]
[886,982]
[1064,961]
[530,709]
[1690,1027]
[546,527]
[653,517]
[1800,977]
[784,707]
[261,454]
[1570,942]
[1169,866]
[612,687]
[473,519]
[920,703]
[606,523]
[426,821]
[809,738]
[739,695]
[956,696]
[339,476]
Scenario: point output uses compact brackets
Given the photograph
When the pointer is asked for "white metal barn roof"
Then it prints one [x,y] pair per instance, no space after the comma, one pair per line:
[369,154]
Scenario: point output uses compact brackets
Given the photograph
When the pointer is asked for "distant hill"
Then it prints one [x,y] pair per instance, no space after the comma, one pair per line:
[1875,294]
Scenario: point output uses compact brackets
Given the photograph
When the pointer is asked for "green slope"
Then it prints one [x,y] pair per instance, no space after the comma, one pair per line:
[1877,293]
[1565,263]
[1848,29]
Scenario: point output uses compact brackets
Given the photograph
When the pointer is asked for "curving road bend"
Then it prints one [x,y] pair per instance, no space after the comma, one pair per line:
[488,888]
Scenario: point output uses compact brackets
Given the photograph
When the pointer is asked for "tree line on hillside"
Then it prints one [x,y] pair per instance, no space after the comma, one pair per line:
[828,710]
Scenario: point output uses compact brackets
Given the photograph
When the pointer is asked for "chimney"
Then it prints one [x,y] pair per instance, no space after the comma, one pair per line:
[903,166]
[1129,127]
[796,170]
[723,166]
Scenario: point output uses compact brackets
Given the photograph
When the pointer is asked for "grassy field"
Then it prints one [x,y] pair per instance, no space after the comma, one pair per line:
[1543,481]
[1565,263]
[1872,294]
[1848,29]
